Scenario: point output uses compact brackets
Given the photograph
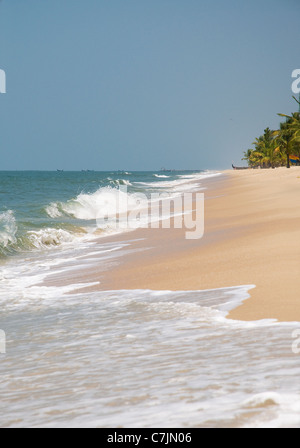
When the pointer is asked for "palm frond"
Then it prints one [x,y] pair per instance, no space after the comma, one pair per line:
[296,100]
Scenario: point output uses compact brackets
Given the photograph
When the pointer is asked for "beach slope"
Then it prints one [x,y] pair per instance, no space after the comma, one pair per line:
[252,237]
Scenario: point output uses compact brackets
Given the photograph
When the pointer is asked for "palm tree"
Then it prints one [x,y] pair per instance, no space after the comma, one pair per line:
[274,148]
[288,136]
[247,155]
[272,154]
[266,153]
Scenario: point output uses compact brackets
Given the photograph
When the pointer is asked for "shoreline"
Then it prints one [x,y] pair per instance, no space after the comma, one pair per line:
[251,237]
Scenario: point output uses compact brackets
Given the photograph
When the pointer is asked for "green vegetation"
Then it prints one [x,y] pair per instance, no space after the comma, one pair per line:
[274,148]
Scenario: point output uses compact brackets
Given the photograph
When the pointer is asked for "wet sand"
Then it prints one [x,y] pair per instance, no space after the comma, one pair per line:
[251,237]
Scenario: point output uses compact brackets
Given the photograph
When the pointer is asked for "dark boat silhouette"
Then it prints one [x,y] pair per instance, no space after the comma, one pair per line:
[240,167]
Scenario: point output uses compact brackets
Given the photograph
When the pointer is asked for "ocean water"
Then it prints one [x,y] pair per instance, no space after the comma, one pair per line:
[124,358]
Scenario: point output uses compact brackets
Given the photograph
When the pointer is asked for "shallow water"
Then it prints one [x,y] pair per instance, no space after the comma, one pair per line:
[135,358]
[145,359]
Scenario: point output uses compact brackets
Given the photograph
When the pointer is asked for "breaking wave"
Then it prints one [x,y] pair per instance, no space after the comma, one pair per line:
[8,229]
[13,240]
[118,182]
[48,237]
[89,206]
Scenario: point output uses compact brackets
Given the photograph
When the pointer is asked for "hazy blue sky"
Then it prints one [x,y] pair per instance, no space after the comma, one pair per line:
[141,84]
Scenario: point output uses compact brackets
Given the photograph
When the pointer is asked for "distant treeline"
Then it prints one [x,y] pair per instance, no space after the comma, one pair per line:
[277,148]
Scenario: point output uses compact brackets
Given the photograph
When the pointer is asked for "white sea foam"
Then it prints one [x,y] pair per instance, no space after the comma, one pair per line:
[187,182]
[117,182]
[198,176]
[89,206]
[52,210]
[8,228]
[111,207]
[179,359]
[49,237]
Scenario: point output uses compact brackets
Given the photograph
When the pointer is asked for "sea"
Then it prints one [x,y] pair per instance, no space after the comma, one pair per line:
[124,358]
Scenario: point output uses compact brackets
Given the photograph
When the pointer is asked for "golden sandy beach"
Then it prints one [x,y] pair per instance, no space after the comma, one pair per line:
[252,237]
